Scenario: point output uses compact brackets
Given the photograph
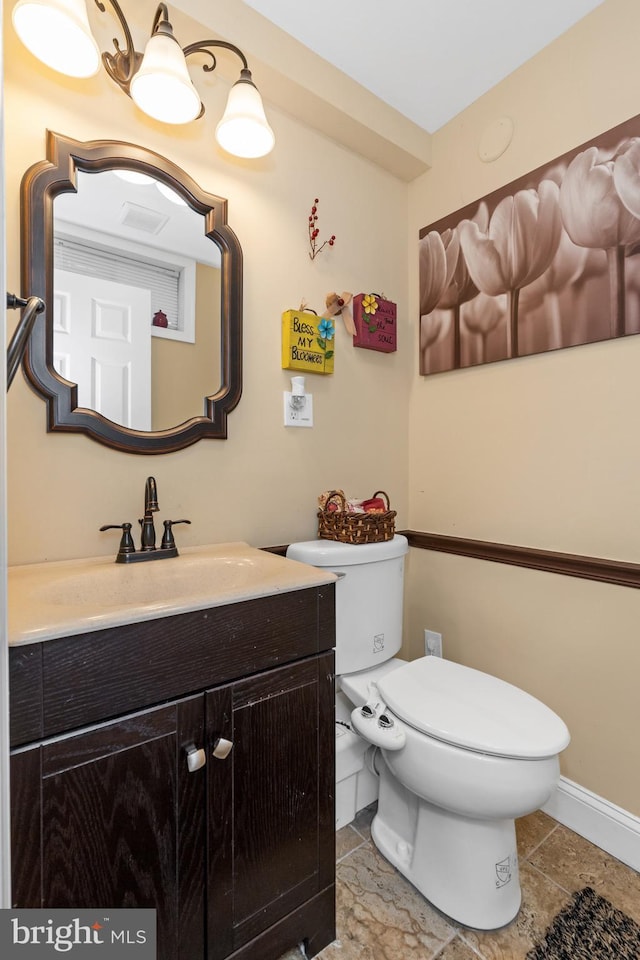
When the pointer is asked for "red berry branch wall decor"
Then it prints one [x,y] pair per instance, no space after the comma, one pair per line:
[314,231]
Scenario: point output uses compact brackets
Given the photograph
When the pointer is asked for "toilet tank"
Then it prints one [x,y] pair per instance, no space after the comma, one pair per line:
[369,597]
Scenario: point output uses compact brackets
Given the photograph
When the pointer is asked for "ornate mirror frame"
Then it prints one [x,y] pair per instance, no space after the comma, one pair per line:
[41,184]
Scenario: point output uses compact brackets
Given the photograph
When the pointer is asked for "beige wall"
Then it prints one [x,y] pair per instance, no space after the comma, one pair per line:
[540,451]
[183,374]
[262,483]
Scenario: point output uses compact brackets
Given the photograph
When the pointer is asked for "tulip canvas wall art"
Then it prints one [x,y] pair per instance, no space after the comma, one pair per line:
[551,260]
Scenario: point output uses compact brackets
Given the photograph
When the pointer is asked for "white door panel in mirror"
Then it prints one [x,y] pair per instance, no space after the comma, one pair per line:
[146,239]
[106,336]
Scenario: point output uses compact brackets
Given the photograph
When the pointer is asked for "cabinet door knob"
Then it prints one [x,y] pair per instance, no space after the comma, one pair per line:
[222,748]
[196,758]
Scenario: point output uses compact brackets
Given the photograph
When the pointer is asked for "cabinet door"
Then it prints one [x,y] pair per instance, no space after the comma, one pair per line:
[271,814]
[122,822]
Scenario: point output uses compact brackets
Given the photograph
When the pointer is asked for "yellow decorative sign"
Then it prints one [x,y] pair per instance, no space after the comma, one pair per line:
[307,342]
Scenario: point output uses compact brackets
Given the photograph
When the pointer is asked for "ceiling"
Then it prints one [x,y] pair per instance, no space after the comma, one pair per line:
[107,198]
[428,59]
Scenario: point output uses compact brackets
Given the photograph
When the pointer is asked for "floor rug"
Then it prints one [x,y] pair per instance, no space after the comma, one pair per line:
[589,928]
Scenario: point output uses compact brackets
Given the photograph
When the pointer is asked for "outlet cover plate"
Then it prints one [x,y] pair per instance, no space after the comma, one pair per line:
[432,643]
[298,418]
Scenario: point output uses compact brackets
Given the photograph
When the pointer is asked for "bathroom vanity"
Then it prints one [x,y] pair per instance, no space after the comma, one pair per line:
[177,752]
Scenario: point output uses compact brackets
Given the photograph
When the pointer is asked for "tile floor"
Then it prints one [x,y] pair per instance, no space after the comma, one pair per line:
[380,916]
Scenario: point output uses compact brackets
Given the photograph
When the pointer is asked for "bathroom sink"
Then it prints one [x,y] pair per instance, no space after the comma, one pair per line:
[117,585]
[48,600]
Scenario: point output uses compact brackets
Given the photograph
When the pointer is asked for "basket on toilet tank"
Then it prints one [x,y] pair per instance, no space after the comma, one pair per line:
[334,523]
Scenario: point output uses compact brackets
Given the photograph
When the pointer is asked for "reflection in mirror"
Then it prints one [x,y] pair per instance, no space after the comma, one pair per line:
[136,300]
[140,344]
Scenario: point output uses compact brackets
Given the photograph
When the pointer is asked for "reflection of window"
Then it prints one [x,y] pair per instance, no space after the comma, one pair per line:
[172,285]
[162,280]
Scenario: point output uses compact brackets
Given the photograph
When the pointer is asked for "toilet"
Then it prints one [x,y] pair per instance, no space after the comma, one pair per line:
[452,754]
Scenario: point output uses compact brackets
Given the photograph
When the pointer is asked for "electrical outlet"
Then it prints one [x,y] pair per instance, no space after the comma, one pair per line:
[298,412]
[432,643]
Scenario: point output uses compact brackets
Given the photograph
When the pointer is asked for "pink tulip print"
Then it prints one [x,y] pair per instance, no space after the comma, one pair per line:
[445,284]
[553,261]
[518,246]
[461,287]
[438,259]
[565,269]
[595,216]
[481,316]
[434,334]
[626,176]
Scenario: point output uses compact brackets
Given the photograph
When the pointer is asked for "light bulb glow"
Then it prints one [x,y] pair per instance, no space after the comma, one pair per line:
[243,129]
[132,176]
[170,194]
[162,87]
[57,32]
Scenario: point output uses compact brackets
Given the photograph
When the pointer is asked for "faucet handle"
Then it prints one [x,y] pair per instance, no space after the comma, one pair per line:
[168,542]
[126,541]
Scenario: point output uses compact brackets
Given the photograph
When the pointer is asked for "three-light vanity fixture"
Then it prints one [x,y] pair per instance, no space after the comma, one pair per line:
[57,32]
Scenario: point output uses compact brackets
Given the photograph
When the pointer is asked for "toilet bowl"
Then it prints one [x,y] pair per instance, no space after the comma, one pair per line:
[460,754]
[476,753]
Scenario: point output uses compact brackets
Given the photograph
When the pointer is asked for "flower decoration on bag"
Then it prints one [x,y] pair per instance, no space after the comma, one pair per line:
[375,322]
[369,308]
[326,330]
[314,233]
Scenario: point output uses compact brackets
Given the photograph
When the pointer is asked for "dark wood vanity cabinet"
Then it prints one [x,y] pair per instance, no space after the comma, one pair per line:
[115,805]
[237,853]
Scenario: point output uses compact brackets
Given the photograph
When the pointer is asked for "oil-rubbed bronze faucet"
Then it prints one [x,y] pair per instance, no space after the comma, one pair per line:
[148,539]
[127,552]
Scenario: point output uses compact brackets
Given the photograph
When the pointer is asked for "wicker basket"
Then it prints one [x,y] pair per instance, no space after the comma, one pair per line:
[355,527]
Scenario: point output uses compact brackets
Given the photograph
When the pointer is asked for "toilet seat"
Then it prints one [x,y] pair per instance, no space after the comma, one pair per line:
[473,710]
[358,686]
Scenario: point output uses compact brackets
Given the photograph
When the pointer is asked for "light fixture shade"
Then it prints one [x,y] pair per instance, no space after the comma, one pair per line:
[162,87]
[243,129]
[57,32]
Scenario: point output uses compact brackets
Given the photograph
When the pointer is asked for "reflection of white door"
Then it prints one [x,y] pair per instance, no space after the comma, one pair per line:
[102,342]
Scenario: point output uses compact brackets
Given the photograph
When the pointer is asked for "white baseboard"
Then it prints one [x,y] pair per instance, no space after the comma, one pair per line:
[611,828]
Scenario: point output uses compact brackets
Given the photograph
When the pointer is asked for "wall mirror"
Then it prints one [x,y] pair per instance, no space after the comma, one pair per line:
[140,344]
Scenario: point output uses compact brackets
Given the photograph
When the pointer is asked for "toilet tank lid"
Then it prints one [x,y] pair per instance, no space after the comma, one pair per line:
[332,553]
[474,710]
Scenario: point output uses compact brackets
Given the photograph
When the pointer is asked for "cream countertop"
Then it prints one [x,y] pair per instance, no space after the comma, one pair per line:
[69,597]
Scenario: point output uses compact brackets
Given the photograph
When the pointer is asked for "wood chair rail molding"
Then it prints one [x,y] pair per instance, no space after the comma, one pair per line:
[619,572]
[569,564]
